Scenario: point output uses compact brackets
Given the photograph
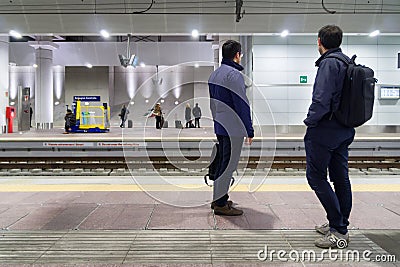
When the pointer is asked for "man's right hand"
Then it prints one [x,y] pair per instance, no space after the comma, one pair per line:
[249,140]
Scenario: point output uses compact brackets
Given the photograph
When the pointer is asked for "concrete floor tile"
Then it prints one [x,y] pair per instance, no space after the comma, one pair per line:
[14,197]
[292,218]
[168,217]
[37,218]
[70,217]
[133,217]
[15,214]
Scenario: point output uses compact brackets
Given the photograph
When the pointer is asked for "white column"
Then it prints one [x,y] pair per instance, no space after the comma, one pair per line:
[44,98]
[4,80]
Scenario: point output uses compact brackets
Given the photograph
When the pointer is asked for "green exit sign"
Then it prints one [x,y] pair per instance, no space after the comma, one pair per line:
[303,79]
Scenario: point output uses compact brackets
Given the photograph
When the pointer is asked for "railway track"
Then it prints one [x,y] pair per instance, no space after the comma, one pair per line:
[175,163]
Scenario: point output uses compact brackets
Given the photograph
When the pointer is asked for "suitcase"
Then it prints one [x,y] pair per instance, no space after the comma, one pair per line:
[130,124]
[165,124]
[178,124]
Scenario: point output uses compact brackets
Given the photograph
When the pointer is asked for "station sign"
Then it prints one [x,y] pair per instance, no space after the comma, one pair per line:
[87,98]
[303,79]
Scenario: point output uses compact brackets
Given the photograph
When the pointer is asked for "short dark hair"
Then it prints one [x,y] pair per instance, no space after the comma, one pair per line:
[330,36]
[230,48]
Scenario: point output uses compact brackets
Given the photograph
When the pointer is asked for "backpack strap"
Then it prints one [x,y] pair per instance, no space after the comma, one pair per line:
[342,58]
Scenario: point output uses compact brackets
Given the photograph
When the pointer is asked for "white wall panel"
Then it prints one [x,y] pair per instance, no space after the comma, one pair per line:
[271,92]
[297,118]
[271,77]
[271,64]
[300,64]
[300,92]
[268,51]
[362,50]
[303,51]
[388,50]
[388,119]
[299,105]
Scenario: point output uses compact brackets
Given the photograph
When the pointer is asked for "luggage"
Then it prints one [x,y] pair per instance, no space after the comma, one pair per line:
[358,94]
[130,124]
[164,124]
[212,168]
[178,124]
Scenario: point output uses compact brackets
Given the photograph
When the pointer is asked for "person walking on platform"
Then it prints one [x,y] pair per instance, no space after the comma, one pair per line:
[327,141]
[158,114]
[30,115]
[188,115]
[197,115]
[124,115]
[232,123]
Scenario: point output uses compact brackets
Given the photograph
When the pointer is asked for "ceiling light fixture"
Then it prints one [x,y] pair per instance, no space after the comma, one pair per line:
[88,65]
[142,65]
[374,33]
[15,34]
[35,66]
[105,33]
[195,33]
[284,33]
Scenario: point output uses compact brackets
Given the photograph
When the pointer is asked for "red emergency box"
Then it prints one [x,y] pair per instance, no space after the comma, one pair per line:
[10,115]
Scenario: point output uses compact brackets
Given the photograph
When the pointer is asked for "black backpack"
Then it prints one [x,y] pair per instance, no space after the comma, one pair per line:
[358,93]
[212,168]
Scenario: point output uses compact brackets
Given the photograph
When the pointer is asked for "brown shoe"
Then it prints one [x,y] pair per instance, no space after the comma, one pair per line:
[229,202]
[227,210]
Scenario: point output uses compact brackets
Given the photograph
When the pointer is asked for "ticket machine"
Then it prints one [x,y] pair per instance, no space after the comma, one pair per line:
[10,115]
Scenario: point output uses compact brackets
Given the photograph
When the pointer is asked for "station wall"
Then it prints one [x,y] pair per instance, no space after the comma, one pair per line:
[279,63]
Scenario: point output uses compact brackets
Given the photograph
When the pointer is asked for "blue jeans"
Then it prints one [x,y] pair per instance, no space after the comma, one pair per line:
[230,148]
[327,149]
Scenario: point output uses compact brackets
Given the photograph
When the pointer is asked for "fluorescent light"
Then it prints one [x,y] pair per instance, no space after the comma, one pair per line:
[284,33]
[147,101]
[12,103]
[195,33]
[15,34]
[374,33]
[35,66]
[56,103]
[142,65]
[162,100]
[89,65]
[133,103]
[105,33]
[196,65]
[176,102]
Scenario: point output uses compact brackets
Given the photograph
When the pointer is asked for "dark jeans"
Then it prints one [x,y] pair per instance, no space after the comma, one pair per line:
[327,149]
[230,148]
[122,125]
[197,122]
[158,122]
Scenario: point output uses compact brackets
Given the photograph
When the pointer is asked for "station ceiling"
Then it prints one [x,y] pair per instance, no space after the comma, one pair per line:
[180,17]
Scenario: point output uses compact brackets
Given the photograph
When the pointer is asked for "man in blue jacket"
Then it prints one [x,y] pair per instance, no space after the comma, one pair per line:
[232,122]
[327,141]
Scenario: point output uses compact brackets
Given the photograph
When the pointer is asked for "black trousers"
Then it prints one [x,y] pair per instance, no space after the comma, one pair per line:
[158,122]
[197,122]
[230,148]
[327,148]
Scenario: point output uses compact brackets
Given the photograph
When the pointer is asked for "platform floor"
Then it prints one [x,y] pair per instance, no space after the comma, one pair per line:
[93,228]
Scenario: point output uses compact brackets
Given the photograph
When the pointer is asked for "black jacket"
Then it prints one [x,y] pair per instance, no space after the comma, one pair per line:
[327,87]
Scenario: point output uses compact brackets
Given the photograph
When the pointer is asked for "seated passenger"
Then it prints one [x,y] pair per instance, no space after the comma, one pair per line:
[70,121]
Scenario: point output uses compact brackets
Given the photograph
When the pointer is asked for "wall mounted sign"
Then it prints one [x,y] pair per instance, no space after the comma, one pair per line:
[87,98]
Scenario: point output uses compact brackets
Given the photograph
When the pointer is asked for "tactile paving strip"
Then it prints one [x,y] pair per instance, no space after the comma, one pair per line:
[169,246]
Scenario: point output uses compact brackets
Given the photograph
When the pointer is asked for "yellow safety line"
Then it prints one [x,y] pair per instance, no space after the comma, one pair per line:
[136,188]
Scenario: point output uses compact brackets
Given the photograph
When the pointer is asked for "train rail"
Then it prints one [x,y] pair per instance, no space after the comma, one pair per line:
[280,162]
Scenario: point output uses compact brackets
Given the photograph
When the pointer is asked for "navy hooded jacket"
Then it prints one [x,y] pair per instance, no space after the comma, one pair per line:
[228,101]
[328,87]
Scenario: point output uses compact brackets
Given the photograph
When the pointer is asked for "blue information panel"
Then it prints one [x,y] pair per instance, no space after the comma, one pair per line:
[95,98]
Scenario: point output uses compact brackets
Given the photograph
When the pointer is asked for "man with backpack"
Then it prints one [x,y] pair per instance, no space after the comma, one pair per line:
[232,123]
[327,140]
